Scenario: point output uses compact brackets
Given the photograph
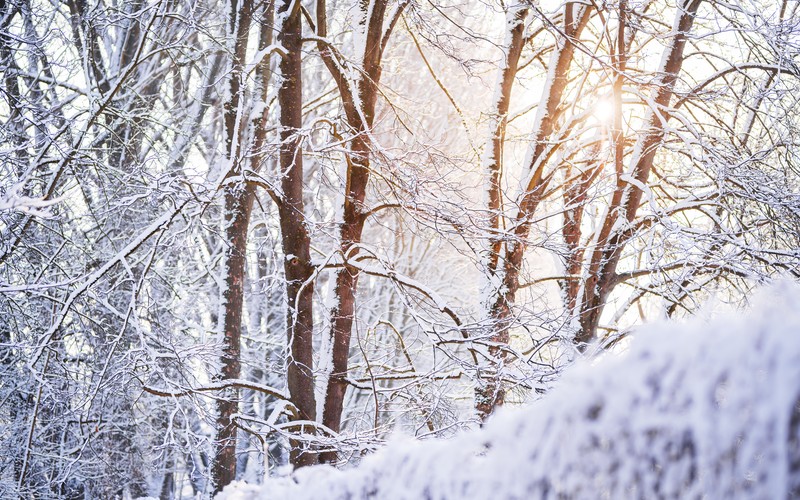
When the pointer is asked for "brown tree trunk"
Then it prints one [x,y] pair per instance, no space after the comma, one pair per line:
[343,312]
[238,201]
[616,232]
[295,239]
[575,195]
[576,192]
[494,156]
[489,392]
[360,120]
[576,16]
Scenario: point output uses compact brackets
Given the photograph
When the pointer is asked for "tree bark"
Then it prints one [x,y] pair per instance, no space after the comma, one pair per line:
[360,115]
[576,17]
[295,238]
[238,201]
[489,392]
[616,230]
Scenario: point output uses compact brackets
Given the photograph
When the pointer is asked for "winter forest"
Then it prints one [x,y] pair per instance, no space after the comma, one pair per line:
[243,237]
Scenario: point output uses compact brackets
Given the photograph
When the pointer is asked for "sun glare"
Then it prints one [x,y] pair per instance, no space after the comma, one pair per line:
[603,110]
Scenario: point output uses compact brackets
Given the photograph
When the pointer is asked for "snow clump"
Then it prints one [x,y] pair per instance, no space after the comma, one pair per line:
[703,409]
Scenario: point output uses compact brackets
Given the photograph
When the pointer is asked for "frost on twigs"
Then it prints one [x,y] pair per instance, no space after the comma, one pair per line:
[707,409]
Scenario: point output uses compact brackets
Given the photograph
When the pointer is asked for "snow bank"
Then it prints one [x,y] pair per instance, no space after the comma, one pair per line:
[704,409]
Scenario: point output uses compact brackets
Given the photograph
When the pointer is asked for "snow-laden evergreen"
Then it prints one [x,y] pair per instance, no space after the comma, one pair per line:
[703,409]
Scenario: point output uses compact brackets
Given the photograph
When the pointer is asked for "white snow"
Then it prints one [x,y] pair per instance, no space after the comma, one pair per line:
[704,409]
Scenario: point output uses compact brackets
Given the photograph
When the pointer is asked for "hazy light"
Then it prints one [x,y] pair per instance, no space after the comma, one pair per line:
[603,110]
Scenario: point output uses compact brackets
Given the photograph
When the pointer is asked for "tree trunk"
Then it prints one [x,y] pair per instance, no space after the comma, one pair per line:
[576,17]
[360,115]
[343,312]
[616,232]
[489,392]
[238,201]
[295,239]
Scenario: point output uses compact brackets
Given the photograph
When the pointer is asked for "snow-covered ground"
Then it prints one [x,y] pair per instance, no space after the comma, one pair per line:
[704,409]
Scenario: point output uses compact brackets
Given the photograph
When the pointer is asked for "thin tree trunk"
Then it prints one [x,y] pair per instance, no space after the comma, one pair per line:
[616,232]
[343,313]
[576,17]
[575,193]
[360,114]
[489,392]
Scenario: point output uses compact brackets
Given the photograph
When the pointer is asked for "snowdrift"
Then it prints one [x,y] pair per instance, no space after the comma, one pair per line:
[704,409]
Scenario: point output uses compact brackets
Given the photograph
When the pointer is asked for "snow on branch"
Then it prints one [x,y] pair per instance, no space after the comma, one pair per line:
[707,409]
[218,386]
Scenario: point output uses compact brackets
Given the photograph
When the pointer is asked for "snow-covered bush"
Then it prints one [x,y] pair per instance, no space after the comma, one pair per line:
[707,409]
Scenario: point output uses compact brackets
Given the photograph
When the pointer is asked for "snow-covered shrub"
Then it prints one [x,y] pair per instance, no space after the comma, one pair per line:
[708,409]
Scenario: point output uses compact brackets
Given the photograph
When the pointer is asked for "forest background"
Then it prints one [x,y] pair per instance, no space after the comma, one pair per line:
[236,236]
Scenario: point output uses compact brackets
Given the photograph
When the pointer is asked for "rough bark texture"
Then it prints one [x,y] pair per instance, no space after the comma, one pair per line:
[238,201]
[237,218]
[295,239]
[575,196]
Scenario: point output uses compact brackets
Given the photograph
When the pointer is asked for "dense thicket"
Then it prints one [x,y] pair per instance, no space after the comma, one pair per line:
[240,235]
[677,415]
